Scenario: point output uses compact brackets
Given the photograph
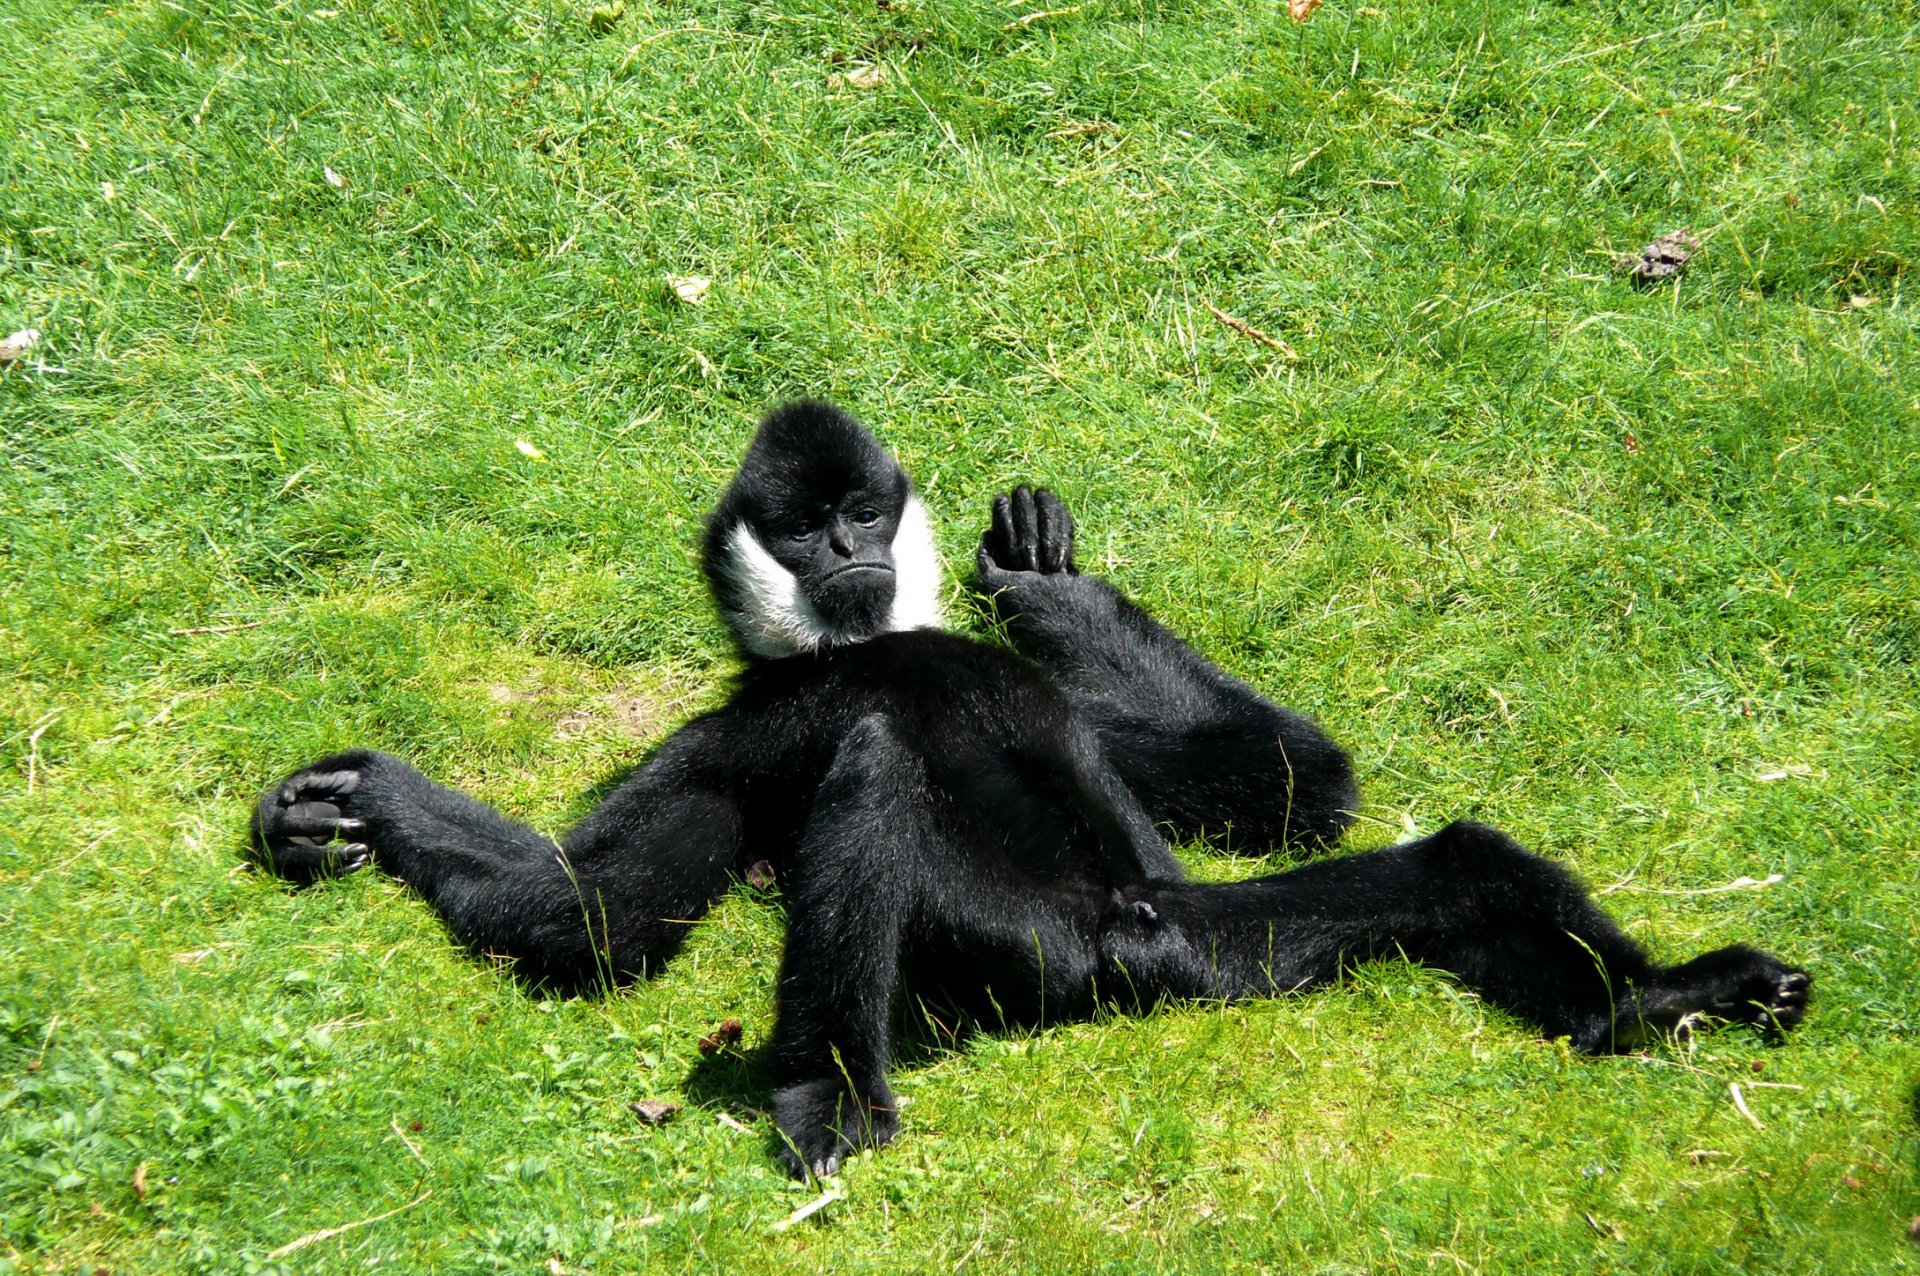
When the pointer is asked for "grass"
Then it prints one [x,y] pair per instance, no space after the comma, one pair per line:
[1632,574]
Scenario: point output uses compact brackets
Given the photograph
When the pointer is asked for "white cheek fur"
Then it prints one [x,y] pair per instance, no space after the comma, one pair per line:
[774,619]
[916,572]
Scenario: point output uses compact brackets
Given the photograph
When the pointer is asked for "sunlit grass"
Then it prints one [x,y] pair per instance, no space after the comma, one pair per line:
[1629,573]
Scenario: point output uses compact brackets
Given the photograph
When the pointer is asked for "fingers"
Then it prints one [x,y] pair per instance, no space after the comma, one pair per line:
[314,819]
[1026,531]
[305,859]
[1055,533]
[1031,532]
[318,784]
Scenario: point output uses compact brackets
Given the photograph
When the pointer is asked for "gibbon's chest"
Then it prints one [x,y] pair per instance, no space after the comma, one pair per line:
[944,696]
[981,722]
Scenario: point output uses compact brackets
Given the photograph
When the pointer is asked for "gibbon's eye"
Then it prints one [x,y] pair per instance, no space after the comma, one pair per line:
[802,528]
[867,517]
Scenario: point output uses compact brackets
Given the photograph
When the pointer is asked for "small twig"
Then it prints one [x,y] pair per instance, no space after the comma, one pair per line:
[215,629]
[395,1123]
[1740,1102]
[1246,329]
[808,1210]
[328,1233]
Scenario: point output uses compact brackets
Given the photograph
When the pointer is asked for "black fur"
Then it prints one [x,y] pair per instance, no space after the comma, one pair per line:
[953,820]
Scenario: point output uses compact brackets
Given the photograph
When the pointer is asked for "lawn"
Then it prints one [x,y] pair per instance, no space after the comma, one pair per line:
[364,412]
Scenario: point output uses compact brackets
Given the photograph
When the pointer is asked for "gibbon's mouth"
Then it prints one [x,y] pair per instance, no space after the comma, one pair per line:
[857,567]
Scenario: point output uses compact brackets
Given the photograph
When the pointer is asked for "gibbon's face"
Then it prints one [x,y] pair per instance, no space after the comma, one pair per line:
[820,540]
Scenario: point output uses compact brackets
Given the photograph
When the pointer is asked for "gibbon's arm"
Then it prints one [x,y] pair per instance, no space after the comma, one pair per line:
[610,904]
[1201,750]
[862,861]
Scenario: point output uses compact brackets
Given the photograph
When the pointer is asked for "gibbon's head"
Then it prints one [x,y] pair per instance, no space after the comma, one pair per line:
[819,541]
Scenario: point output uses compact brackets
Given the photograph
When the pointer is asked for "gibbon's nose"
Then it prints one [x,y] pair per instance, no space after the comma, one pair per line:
[841,539]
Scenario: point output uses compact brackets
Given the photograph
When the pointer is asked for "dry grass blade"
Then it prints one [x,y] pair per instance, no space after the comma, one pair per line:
[328,1233]
[1246,329]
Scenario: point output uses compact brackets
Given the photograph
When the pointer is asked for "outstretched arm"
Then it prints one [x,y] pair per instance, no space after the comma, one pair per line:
[612,903]
[1202,751]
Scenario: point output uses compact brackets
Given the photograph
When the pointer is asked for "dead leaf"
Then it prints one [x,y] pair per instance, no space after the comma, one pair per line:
[336,180]
[193,958]
[529,451]
[1663,258]
[19,345]
[140,1180]
[760,875]
[691,289]
[871,76]
[654,1111]
[1301,10]
[727,1035]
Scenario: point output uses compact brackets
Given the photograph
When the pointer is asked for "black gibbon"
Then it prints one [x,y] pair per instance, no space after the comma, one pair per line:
[953,820]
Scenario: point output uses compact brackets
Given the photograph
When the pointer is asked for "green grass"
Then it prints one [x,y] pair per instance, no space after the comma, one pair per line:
[1587,562]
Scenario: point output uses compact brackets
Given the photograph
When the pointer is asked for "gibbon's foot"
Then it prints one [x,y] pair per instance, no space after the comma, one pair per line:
[1745,985]
[821,1124]
[304,828]
[1737,984]
[1031,532]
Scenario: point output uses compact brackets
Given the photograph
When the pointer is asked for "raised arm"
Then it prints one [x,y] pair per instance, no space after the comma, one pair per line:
[1202,751]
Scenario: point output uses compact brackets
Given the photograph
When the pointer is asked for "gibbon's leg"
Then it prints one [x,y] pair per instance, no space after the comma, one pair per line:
[612,903]
[849,894]
[1135,851]
[1515,928]
[1202,751]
